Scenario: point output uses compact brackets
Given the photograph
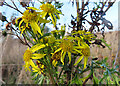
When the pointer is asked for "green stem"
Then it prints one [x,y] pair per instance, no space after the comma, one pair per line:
[33,36]
[60,73]
[52,70]
[89,69]
[43,26]
[28,38]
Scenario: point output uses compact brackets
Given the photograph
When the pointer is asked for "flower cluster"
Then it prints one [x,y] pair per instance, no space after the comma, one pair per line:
[51,50]
[51,11]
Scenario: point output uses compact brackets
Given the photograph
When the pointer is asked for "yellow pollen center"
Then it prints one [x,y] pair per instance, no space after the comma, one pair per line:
[29,16]
[66,45]
[56,56]
[86,51]
[47,8]
[27,55]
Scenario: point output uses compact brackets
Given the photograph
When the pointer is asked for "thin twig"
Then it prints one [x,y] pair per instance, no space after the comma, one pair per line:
[103,4]
[14,4]
[12,7]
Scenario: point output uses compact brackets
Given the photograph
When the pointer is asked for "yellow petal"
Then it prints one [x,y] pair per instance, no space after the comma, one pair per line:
[78,51]
[20,23]
[27,25]
[16,21]
[31,63]
[38,56]
[62,58]
[44,14]
[85,62]
[43,20]
[57,50]
[69,55]
[58,11]
[54,63]
[23,30]
[37,47]
[33,8]
[80,58]
[61,55]
[57,16]
[35,27]
[26,66]
[34,40]
[52,19]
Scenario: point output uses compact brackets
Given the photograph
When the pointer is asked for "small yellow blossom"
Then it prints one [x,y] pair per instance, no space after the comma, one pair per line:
[38,69]
[85,52]
[51,11]
[55,58]
[67,46]
[84,35]
[51,39]
[30,16]
[29,55]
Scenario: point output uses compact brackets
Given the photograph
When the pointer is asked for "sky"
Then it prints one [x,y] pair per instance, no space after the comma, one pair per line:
[67,10]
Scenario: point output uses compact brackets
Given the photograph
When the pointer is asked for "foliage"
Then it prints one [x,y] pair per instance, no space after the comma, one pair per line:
[56,58]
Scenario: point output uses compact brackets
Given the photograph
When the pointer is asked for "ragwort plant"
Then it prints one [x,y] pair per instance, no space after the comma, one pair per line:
[56,58]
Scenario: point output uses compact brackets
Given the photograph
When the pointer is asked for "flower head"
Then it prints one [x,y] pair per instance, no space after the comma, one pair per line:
[29,55]
[38,69]
[85,52]
[51,11]
[55,58]
[66,47]
[84,35]
[49,8]
[31,16]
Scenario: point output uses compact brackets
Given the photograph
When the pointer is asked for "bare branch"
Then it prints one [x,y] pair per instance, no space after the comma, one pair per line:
[12,7]
[14,4]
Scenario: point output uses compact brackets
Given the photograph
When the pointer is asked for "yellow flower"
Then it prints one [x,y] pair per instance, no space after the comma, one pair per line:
[30,16]
[67,46]
[51,39]
[55,57]
[51,11]
[80,32]
[88,36]
[38,69]
[29,55]
[84,35]
[85,52]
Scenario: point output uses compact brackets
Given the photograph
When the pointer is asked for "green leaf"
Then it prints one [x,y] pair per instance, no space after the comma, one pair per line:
[109,80]
[116,79]
[33,73]
[76,80]
[105,43]
[96,80]
[105,60]
[46,34]
[41,79]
